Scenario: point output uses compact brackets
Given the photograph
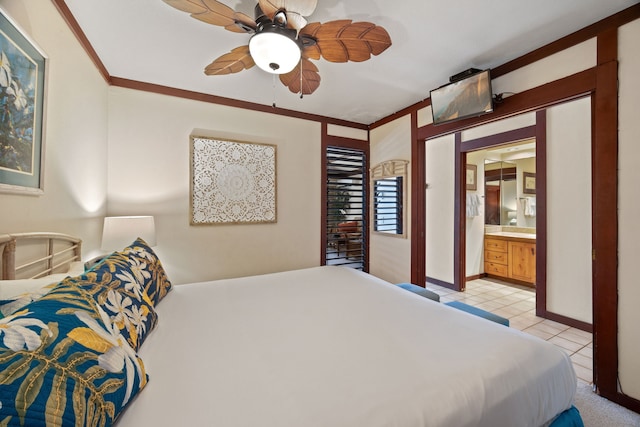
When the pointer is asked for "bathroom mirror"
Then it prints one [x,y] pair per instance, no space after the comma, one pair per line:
[505,169]
[500,193]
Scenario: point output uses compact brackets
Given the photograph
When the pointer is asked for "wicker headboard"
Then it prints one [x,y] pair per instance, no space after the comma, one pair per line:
[33,255]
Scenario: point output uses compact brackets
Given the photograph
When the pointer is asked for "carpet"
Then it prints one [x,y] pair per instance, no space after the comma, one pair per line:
[600,412]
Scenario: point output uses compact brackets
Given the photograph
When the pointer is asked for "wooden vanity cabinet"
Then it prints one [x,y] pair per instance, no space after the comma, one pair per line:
[496,257]
[510,258]
[522,261]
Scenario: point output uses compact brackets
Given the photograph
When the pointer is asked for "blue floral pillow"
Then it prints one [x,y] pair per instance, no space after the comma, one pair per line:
[147,270]
[64,362]
[121,297]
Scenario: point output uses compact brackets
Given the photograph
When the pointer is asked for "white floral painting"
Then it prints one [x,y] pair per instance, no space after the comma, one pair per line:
[232,182]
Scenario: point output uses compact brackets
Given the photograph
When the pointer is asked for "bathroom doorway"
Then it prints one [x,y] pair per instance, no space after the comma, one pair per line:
[511,174]
[501,215]
[560,189]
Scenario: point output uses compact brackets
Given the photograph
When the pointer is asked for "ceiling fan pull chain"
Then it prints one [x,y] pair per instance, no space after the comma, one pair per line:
[274,91]
[301,93]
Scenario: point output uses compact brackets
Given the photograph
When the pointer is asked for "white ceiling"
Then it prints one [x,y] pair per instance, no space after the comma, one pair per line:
[149,41]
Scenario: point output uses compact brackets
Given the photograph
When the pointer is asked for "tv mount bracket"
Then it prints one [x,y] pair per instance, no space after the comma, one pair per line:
[463,75]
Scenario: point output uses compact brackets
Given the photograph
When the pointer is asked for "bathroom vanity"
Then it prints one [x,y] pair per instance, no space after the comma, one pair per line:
[511,256]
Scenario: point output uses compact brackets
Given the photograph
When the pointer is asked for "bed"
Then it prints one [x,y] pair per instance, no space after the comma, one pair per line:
[324,346]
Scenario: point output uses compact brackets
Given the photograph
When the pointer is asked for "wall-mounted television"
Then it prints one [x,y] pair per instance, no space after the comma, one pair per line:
[469,96]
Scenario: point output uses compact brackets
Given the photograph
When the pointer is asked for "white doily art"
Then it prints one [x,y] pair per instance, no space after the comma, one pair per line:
[232,182]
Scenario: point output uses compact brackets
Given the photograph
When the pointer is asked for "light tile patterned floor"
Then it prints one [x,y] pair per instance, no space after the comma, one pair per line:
[517,303]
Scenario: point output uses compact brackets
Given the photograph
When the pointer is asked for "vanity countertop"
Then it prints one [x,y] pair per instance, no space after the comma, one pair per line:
[510,234]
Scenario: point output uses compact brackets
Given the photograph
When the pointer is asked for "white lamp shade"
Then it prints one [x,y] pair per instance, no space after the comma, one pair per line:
[120,231]
[274,53]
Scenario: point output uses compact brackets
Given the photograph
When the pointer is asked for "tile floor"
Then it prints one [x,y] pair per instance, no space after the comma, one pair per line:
[517,303]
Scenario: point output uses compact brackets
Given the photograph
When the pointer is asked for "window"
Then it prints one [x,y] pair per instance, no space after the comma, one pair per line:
[387,205]
[388,197]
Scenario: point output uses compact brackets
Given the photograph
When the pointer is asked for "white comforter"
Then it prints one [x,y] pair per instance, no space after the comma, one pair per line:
[331,347]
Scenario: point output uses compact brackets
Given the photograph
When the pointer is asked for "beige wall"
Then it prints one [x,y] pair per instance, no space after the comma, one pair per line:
[439,209]
[148,165]
[569,260]
[628,208]
[390,256]
[75,172]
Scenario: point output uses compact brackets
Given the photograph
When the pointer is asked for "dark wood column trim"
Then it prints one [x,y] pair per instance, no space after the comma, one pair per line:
[541,213]
[324,143]
[459,225]
[605,218]
[418,216]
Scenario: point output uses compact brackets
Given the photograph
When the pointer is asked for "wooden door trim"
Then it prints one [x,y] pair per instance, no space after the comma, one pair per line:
[459,228]
[338,141]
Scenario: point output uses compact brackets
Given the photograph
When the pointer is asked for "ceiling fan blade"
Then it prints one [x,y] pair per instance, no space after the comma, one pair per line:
[270,7]
[189,6]
[344,40]
[233,62]
[311,52]
[215,13]
[310,78]
[244,22]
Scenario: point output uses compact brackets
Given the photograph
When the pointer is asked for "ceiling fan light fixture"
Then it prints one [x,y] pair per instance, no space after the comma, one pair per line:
[274,50]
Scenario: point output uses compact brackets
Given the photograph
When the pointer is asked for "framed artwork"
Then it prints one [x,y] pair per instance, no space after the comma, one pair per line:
[528,183]
[232,182]
[472,177]
[22,92]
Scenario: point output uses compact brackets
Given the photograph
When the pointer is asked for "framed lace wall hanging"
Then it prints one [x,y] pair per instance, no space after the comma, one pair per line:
[232,182]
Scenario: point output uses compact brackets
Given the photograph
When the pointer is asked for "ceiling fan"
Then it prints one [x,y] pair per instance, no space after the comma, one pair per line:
[283,42]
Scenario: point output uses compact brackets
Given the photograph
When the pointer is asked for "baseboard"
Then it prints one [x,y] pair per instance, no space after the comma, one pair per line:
[441,283]
[578,324]
[475,277]
[626,401]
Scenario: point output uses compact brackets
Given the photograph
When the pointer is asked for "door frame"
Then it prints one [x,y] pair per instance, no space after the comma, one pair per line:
[539,133]
[328,140]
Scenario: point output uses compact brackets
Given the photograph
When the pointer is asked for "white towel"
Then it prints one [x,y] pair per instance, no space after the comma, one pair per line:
[473,205]
[529,206]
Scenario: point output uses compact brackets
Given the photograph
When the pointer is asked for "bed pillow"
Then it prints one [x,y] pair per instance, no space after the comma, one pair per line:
[63,362]
[147,269]
[113,286]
